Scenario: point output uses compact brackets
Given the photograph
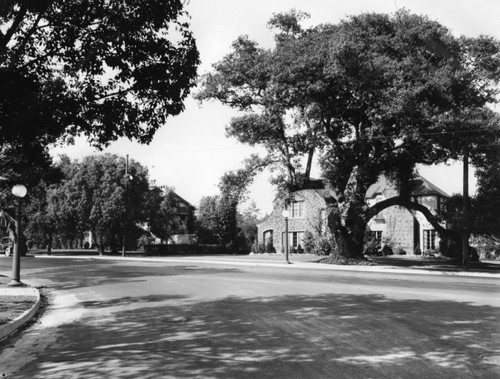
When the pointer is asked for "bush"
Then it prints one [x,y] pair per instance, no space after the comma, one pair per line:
[372,250]
[400,251]
[371,246]
[386,250]
[270,248]
[324,246]
[308,242]
[258,248]
[300,250]
[486,247]
[428,253]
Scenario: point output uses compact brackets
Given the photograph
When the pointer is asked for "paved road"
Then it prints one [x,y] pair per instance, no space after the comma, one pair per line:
[185,319]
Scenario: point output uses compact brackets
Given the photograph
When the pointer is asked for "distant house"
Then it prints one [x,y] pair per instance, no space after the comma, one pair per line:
[184,212]
[404,229]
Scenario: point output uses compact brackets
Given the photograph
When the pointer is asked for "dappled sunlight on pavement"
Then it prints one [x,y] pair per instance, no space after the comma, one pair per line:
[322,336]
[219,322]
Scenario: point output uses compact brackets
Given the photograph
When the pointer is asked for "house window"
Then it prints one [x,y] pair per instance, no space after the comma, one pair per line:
[377,237]
[294,239]
[430,239]
[296,209]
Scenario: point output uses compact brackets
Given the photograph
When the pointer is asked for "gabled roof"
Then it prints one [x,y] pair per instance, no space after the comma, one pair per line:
[420,187]
[179,198]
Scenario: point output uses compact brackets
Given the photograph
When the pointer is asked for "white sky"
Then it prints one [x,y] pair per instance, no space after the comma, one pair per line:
[191,152]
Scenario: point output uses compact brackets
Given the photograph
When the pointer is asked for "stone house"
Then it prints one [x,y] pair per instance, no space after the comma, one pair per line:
[306,212]
[400,228]
[395,226]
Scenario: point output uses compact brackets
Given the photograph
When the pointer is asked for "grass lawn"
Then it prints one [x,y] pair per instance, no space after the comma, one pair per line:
[12,307]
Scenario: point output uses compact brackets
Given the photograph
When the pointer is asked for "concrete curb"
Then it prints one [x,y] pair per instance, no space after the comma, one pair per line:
[12,326]
[292,265]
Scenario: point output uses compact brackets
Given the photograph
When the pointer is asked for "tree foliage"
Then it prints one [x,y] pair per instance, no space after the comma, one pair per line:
[486,203]
[103,69]
[375,93]
[95,195]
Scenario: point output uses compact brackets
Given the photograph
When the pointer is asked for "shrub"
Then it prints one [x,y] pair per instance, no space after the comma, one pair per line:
[308,242]
[486,247]
[372,250]
[270,248]
[386,250]
[324,246]
[258,248]
[428,253]
[371,245]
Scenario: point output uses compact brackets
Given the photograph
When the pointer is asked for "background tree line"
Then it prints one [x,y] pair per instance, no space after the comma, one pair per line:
[99,194]
[99,69]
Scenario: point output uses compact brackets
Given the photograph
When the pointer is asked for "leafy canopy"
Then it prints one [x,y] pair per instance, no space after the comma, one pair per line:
[104,69]
[375,92]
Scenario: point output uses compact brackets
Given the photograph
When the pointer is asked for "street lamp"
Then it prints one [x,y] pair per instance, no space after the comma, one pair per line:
[285,215]
[18,191]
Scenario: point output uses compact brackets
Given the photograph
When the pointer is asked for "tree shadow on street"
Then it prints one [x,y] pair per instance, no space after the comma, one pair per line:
[111,272]
[325,336]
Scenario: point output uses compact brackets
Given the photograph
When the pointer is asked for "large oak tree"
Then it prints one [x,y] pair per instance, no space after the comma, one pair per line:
[372,94]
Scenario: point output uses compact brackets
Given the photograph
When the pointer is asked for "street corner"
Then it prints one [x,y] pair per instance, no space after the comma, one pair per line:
[18,305]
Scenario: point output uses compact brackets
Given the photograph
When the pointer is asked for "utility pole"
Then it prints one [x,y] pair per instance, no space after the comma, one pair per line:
[126,203]
[465,210]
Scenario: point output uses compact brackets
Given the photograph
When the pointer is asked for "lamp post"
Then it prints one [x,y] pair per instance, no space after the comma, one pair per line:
[18,191]
[285,215]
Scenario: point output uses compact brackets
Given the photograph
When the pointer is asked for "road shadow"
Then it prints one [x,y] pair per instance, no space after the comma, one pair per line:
[325,336]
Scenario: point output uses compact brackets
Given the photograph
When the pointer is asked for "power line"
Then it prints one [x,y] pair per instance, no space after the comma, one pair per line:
[452,132]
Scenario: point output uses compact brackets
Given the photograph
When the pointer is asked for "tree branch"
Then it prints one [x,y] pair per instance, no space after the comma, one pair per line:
[25,40]
[410,205]
[8,35]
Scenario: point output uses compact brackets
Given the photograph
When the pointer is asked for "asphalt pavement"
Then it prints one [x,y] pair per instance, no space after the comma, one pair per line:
[301,292]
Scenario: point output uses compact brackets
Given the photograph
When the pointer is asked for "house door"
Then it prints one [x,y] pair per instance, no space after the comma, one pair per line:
[268,238]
